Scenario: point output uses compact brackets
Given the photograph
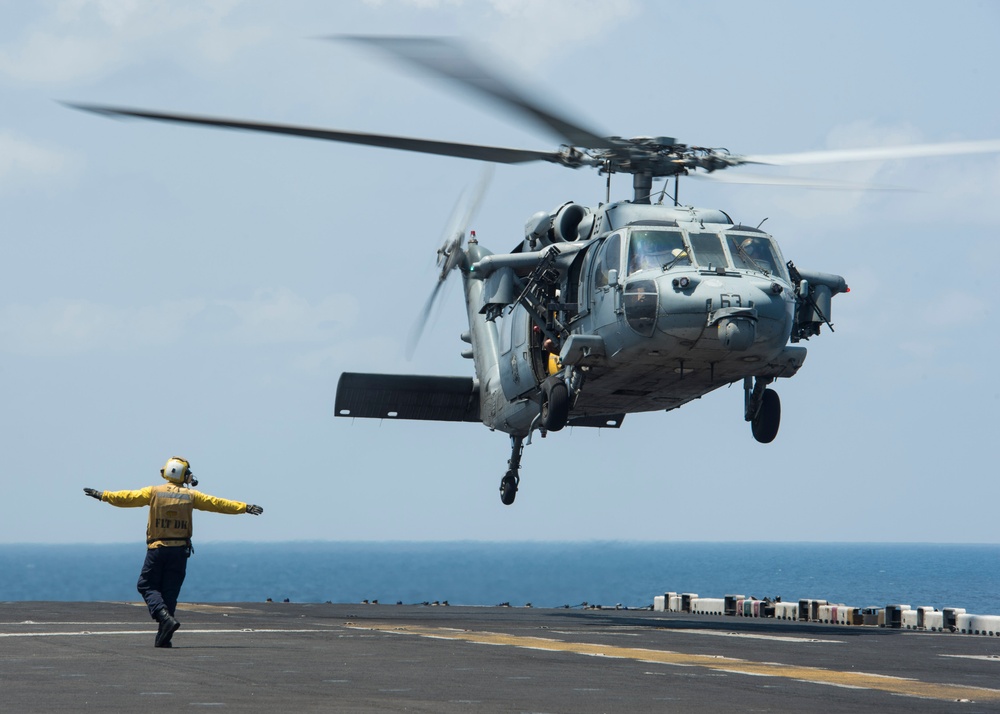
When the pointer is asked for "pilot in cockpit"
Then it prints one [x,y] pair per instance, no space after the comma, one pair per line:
[757,253]
[656,249]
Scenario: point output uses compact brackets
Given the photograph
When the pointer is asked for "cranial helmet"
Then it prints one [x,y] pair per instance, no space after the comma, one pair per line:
[176,470]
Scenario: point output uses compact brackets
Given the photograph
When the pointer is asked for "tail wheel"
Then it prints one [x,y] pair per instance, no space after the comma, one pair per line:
[555,404]
[765,423]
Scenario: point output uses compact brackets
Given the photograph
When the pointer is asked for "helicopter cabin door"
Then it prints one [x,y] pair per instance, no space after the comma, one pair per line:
[604,283]
[516,375]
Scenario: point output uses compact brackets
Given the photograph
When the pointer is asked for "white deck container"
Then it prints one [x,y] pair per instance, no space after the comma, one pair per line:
[708,605]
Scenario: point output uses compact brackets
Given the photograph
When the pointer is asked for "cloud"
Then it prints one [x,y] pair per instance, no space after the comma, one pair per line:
[21,159]
[61,327]
[223,43]
[46,57]
[276,316]
[530,32]
[426,4]
[85,38]
[381,353]
[527,31]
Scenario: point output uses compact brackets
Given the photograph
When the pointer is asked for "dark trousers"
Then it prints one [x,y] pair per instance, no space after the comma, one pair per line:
[162,576]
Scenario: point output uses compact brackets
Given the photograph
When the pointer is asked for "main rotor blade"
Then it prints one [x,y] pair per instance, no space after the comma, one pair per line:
[759,179]
[478,152]
[880,153]
[450,60]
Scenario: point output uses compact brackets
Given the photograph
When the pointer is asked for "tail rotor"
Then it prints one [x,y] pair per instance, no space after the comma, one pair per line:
[449,255]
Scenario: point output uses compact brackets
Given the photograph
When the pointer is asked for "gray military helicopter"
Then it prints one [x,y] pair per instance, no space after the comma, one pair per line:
[599,311]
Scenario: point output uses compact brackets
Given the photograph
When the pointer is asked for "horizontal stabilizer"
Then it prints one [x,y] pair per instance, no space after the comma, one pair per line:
[606,421]
[406,396]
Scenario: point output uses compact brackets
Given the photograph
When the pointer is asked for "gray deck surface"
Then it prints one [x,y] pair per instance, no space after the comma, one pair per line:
[61,656]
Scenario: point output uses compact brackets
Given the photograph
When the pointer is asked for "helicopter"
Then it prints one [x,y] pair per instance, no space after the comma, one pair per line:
[597,311]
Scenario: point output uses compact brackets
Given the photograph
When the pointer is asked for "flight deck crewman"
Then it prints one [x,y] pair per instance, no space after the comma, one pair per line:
[168,536]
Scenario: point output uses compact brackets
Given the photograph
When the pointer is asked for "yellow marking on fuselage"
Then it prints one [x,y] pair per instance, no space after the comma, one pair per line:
[816,675]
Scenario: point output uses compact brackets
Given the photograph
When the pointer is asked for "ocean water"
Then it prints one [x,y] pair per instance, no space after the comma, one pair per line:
[542,574]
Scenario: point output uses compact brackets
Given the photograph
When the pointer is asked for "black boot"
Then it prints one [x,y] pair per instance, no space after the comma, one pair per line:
[168,626]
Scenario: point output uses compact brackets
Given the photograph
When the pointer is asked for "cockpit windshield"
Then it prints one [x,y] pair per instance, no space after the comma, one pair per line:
[754,252]
[662,249]
[708,250]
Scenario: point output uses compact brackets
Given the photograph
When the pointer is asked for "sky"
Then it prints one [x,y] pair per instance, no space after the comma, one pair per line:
[186,291]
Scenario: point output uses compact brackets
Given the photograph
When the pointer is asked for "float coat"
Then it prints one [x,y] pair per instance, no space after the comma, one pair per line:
[170,509]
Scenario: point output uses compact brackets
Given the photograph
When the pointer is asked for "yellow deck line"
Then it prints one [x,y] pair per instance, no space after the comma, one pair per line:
[817,675]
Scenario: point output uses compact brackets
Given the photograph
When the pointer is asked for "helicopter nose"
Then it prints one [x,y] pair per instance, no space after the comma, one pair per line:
[752,317]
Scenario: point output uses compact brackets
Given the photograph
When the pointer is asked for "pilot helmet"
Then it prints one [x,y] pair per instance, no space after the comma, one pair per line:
[749,246]
[176,470]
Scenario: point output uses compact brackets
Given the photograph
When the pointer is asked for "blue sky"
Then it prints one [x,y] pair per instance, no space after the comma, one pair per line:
[171,290]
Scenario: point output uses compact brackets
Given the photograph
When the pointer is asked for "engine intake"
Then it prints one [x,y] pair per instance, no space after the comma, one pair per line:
[568,223]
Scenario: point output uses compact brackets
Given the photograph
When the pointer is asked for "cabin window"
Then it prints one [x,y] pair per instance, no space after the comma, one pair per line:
[505,334]
[656,249]
[608,260]
[708,251]
[514,331]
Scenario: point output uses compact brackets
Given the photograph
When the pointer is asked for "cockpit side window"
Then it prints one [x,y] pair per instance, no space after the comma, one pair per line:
[656,249]
[708,252]
[754,252]
[609,259]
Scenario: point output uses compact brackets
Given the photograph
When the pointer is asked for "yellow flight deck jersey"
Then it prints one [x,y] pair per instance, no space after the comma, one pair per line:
[170,509]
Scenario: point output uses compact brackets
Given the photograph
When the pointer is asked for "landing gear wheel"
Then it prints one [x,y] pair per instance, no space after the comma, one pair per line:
[555,405]
[508,488]
[765,423]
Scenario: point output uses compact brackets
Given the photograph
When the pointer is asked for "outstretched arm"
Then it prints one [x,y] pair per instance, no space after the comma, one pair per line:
[205,502]
[122,499]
